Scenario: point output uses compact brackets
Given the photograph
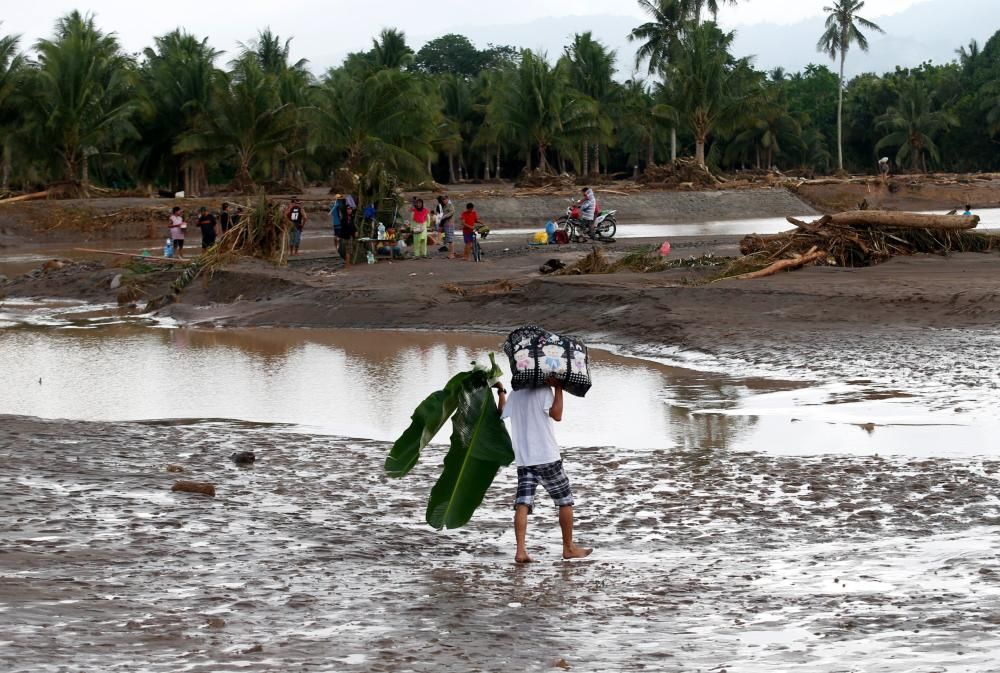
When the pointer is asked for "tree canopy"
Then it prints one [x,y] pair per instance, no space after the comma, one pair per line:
[76,109]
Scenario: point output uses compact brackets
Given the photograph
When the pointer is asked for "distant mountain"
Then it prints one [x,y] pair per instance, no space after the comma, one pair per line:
[928,31]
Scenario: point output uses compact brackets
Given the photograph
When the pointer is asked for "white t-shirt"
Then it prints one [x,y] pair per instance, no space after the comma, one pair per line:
[177,227]
[533,429]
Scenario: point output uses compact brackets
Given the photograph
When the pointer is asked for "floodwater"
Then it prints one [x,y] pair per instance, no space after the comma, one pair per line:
[731,532]
[990,219]
[366,384]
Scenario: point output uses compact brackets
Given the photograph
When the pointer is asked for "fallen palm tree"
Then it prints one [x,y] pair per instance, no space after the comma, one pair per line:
[863,238]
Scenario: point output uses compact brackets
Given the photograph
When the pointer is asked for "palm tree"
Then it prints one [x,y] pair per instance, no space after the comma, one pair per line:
[377,127]
[11,67]
[843,29]
[639,121]
[84,99]
[661,37]
[591,68]
[711,87]
[178,80]
[247,122]
[391,51]
[537,109]
[912,124]
[456,96]
[293,81]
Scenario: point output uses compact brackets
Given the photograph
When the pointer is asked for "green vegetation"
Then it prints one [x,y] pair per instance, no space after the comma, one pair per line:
[77,112]
[480,445]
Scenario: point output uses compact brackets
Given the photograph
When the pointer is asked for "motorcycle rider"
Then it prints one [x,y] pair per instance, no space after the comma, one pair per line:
[588,211]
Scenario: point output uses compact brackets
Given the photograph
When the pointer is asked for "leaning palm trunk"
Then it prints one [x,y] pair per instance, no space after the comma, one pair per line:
[840,111]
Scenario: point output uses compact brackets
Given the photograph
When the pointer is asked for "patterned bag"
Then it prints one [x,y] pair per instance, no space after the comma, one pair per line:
[536,355]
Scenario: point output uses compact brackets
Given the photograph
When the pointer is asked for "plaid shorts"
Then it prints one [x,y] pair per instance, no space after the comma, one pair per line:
[552,476]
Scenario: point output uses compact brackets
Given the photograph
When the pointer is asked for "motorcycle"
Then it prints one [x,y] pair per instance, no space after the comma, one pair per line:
[605,226]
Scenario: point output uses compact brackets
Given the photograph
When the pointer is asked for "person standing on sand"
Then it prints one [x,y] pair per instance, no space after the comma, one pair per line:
[335,215]
[177,227]
[883,168]
[206,222]
[470,218]
[296,215]
[533,413]
[446,225]
[419,220]
[225,221]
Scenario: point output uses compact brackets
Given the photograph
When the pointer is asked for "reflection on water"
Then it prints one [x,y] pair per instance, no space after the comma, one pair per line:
[366,385]
[348,383]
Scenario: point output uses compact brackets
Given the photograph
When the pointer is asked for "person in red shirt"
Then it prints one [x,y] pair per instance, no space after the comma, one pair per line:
[470,218]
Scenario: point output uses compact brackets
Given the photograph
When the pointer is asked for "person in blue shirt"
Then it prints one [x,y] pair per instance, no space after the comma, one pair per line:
[335,215]
[968,210]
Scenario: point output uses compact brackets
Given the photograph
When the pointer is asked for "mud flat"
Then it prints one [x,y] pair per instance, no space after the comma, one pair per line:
[706,560]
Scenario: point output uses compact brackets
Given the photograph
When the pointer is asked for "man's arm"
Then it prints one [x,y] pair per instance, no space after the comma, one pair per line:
[501,397]
[556,411]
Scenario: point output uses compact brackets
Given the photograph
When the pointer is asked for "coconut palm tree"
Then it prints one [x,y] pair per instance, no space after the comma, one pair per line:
[539,111]
[843,29]
[591,69]
[178,79]
[247,122]
[710,86]
[641,122]
[12,65]
[382,125]
[83,99]
[391,51]
[661,37]
[912,125]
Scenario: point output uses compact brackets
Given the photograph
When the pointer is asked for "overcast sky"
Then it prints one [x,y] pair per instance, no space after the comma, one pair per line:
[325,30]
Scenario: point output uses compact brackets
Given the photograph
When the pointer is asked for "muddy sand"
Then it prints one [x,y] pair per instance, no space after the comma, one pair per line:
[313,560]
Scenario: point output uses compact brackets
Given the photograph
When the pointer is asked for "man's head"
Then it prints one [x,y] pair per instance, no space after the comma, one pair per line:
[418,204]
[968,207]
[295,201]
[225,206]
[470,206]
[585,190]
[203,210]
[176,210]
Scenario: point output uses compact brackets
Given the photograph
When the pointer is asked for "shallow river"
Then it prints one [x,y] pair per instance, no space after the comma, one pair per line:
[740,524]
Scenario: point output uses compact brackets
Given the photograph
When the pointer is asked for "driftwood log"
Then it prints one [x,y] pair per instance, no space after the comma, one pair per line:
[899,220]
[199,487]
[27,197]
[785,265]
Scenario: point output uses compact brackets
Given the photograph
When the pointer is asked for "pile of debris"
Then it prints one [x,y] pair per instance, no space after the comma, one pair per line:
[864,238]
[679,174]
[539,178]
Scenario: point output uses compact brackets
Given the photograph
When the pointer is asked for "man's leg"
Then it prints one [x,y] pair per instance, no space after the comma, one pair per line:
[520,533]
[570,550]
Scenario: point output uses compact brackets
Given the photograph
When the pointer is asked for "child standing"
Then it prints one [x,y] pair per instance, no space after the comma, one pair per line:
[420,217]
[177,227]
[470,218]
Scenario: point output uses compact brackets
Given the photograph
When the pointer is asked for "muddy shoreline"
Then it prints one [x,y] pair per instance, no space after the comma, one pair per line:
[705,560]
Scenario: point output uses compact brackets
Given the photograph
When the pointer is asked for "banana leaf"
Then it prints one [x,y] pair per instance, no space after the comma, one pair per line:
[427,420]
[480,446]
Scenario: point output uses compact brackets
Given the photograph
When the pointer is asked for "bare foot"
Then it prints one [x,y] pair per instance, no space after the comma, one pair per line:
[576,552]
[523,558]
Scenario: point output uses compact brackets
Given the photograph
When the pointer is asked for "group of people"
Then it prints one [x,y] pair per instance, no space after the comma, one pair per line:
[443,219]
[210,225]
